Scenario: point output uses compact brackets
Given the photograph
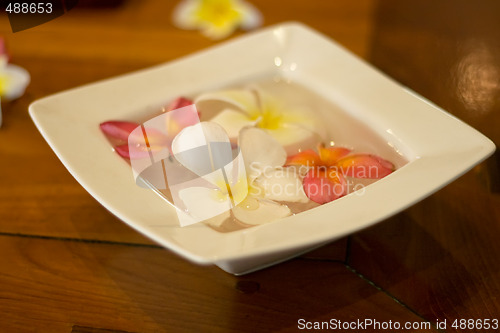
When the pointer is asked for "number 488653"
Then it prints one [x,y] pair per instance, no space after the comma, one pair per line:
[29,8]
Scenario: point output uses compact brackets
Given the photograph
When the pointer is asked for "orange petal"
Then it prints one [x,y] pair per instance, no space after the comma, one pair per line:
[118,129]
[323,185]
[307,157]
[365,166]
[329,156]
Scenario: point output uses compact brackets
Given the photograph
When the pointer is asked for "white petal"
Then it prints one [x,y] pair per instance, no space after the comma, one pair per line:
[202,148]
[210,104]
[204,203]
[232,121]
[237,179]
[260,151]
[183,15]
[265,212]
[251,17]
[293,137]
[283,184]
[17,80]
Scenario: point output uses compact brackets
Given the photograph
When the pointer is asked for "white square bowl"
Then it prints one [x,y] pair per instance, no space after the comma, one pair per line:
[438,146]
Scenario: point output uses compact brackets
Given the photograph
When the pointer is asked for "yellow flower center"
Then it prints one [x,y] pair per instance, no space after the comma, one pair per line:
[237,192]
[4,83]
[217,12]
[269,117]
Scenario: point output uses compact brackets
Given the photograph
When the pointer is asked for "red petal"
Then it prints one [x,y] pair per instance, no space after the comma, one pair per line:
[329,156]
[178,103]
[365,166]
[323,185]
[308,158]
[118,129]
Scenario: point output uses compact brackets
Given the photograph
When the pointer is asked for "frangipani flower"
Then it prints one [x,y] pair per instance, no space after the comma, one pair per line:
[216,18]
[13,79]
[236,109]
[325,179]
[132,145]
[253,190]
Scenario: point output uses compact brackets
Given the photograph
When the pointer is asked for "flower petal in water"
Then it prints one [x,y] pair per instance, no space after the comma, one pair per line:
[324,185]
[236,109]
[325,181]
[119,130]
[365,166]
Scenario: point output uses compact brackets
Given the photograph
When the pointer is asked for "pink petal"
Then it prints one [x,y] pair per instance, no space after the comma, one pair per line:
[307,157]
[118,129]
[323,185]
[179,120]
[3,49]
[137,151]
[178,103]
[365,166]
[330,155]
[153,138]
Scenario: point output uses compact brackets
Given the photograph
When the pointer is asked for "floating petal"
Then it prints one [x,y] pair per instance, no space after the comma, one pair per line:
[233,122]
[260,151]
[178,103]
[365,166]
[129,131]
[203,148]
[138,151]
[204,203]
[330,155]
[281,184]
[118,129]
[323,185]
[255,211]
[292,136]
[307,158]
[211,103]
[179,118]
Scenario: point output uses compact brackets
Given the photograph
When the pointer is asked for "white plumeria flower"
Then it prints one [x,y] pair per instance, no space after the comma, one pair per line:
[13,81]
[293,128]
[250,189]
[216,18]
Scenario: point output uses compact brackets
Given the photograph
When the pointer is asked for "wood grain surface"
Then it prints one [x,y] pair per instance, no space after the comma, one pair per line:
[68,265]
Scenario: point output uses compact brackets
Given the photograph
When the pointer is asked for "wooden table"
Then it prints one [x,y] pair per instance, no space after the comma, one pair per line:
[67,265]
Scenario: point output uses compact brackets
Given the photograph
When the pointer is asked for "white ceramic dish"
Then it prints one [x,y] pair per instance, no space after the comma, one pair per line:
[439,147]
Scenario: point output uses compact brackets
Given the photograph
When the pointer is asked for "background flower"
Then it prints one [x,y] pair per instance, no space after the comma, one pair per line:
[216,18]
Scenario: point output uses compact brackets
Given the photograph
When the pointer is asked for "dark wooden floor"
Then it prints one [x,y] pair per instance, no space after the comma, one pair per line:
[67,265]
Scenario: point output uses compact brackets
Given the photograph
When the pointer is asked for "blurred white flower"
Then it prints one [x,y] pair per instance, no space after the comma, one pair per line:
[13,79]
[216,19]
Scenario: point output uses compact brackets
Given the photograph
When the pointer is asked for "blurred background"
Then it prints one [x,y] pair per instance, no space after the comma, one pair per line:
[68,264]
